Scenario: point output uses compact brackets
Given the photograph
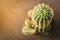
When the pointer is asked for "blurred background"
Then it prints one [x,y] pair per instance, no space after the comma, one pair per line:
[13,13]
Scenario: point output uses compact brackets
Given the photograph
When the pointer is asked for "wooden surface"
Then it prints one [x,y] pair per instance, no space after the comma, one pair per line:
[13,13]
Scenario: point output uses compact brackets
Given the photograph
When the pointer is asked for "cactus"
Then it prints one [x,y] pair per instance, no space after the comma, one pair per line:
[40,19]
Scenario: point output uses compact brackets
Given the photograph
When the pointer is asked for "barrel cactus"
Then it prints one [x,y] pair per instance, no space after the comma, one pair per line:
[40,19]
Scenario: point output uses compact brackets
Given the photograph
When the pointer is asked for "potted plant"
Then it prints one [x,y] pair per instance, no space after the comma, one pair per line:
[40,19]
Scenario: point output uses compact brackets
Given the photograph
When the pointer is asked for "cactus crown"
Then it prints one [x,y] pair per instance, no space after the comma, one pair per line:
[42,13]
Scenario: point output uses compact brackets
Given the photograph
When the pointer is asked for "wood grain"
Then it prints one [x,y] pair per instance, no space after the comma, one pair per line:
[13,13]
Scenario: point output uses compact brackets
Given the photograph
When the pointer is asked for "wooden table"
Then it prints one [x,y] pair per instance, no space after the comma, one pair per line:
[13,13]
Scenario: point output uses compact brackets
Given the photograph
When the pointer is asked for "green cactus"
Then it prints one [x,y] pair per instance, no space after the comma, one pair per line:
[41,17]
